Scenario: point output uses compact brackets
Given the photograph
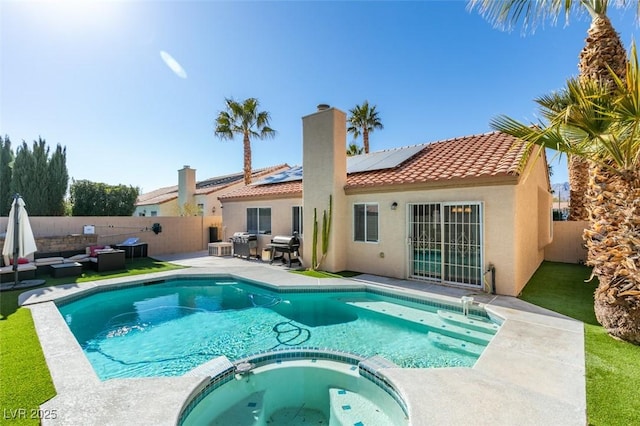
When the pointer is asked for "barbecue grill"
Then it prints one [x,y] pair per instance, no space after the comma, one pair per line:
[285,245]
[244,244]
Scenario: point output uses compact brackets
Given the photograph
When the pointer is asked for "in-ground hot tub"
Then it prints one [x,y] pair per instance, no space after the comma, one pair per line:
[297,387]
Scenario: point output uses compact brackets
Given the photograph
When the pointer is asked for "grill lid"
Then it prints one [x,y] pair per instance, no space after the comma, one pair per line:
[289,240]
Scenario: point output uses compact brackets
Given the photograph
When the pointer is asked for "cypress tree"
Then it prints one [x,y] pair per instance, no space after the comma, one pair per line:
[6,164]
[58,181]
[40,180]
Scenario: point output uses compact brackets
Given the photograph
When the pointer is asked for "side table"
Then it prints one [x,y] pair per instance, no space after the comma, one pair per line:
[61,270]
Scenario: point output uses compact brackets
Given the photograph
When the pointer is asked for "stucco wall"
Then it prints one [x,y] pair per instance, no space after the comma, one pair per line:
[234,216]
[498,206]
[179,234]
[324,162]
[170,208]
[568,245]
[532,223]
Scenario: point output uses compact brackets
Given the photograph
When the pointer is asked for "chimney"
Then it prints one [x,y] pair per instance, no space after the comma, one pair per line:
[324,161]
[186,186]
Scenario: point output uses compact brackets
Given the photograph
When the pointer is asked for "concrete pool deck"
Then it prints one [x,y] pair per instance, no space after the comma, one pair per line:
[532,372]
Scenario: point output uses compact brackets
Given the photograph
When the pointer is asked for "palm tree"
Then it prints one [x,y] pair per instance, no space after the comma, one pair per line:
[354,149]
[594,121]
[603,50]
[243,118]
[364,120]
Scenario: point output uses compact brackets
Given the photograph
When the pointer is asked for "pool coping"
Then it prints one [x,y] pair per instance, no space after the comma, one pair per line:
[532,372]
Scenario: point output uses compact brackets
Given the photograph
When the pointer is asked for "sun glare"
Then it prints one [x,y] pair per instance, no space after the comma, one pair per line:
[74,15]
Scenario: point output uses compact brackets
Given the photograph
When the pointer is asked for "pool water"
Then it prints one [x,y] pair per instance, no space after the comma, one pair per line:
[167,329]
[298,393]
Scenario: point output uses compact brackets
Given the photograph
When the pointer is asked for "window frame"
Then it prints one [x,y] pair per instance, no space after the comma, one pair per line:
[300,220]
[258,213]
[365,223]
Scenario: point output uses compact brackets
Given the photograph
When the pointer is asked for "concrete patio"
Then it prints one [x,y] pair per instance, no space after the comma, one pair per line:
[532,372]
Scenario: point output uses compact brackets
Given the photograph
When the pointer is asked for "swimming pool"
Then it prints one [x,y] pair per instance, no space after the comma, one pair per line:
[167,328]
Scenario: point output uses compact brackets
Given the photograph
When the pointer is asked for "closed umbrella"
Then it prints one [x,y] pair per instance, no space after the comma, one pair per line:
[19,241]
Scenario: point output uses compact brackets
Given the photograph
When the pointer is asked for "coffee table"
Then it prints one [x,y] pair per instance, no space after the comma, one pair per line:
[61,270]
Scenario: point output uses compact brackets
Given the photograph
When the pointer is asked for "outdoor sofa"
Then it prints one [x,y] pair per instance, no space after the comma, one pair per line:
[26,271]
[104,258]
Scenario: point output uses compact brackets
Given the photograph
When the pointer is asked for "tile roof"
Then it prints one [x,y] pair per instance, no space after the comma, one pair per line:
[158,196]
[207,186]
[461,160]
[274,190]
[492,154]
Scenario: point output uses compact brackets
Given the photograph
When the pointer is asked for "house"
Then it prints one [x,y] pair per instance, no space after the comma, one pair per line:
[456,212]
[190,198]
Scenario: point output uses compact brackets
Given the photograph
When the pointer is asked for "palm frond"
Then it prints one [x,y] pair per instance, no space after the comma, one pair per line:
[589,120]
[507,14]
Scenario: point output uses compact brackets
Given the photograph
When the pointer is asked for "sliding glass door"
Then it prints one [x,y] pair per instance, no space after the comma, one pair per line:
[445,242]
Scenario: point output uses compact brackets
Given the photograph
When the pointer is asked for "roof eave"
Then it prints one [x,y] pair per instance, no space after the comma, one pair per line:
[494,180]
[252,197]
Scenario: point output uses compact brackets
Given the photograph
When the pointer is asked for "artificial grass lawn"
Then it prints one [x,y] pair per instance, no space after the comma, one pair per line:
[25,382]
[612,366]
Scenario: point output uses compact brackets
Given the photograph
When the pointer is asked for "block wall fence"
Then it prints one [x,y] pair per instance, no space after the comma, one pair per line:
[191,234]
[179,234]
[567,245]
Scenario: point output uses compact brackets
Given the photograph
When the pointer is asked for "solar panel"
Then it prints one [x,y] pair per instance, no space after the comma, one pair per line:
[358,163]
[289,175]
[381,160]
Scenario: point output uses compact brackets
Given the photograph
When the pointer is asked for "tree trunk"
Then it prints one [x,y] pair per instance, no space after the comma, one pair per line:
[365,139]
[247,159]
[603,49]
[613,243]
[578,180]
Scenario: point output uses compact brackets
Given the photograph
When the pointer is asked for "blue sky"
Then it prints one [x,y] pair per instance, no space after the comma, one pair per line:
[91,76]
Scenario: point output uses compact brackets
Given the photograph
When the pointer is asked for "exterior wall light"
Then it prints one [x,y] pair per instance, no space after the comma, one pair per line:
[394,205]
[156,228]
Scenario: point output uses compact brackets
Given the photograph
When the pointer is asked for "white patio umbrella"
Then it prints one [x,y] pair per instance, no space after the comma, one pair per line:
[19,241]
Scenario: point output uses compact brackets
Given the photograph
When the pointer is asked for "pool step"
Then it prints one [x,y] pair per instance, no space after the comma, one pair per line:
[428,319]
[469,321]
[456,345]
[350,408]
[245,412]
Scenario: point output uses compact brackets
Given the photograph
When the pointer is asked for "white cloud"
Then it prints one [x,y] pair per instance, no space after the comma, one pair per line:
[173,64]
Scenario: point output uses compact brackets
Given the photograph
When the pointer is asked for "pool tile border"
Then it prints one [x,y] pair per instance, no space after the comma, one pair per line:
[280,290]
[368,368]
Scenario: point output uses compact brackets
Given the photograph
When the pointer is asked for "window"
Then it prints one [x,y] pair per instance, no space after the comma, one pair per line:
[365,222]
[296,215]
[259,220]
[154,213]
[200,209]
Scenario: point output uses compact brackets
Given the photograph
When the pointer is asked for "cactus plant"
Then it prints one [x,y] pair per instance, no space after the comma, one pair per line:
[326,230]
